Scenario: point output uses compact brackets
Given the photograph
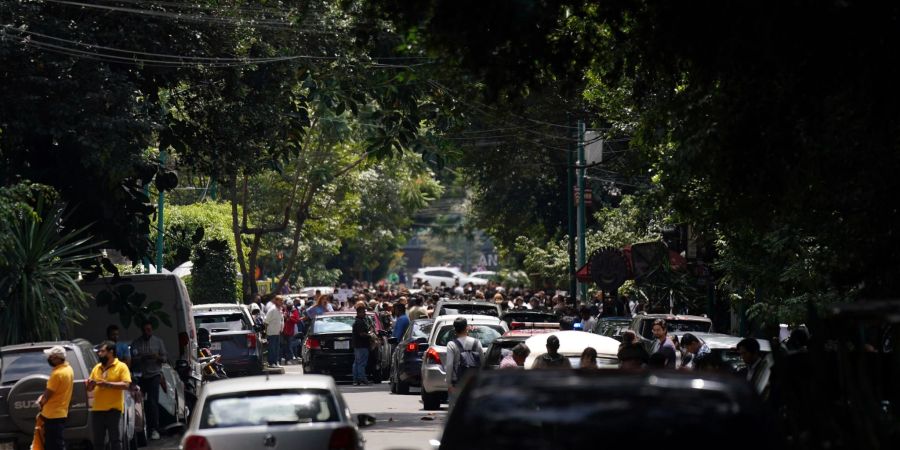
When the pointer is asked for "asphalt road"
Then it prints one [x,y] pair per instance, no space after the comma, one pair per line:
[401,423]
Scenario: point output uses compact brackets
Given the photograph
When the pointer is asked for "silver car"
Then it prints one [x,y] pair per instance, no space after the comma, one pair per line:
[434,376]
[281,411]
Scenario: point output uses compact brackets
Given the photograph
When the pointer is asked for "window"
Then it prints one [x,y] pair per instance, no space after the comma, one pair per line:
[419,330]
[334,324]
[484,333]
[18,365]
[466,309]
[271,407]
[224,321]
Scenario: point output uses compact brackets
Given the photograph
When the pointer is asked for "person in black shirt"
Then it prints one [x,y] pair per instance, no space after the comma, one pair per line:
[361,343]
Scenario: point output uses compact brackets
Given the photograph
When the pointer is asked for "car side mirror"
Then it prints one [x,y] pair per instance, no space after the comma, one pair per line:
[365,420]
[392,340]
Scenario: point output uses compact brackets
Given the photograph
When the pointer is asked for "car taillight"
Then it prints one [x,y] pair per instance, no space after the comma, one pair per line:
[343,439]
[196,443]
[431,355]
[251,340]
[516,326]
[313,344]
[412,347]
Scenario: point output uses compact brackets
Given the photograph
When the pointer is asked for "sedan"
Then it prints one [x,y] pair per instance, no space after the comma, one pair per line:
[406,366]
[260,412]
[328,347]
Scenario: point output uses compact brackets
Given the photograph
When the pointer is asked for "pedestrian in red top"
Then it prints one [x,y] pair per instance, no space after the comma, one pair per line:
[291,319]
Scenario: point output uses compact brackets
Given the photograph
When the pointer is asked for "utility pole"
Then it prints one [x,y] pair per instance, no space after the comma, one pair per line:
[160,229]
[570,201]
[581,221]
[146,259]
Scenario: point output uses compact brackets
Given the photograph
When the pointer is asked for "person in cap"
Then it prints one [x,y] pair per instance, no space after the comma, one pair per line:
[552,359]
[54,402]
[109,380]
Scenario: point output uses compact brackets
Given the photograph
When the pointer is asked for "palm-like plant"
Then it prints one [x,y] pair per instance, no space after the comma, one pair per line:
[39,270]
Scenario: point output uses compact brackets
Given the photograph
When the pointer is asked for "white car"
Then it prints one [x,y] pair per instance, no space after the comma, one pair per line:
[483,277]
[437,275]
[572,344]
[434,376]
[273,412]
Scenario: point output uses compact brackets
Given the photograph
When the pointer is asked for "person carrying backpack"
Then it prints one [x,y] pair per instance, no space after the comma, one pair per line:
[463,354]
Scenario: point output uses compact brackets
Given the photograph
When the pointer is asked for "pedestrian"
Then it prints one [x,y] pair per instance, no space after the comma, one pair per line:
[588,322]
[552,359]
[151,353]
[402,322]
[516,358]
[291,319]
[122,349]
[660,333]
[258,324]
[417,311]
[749,351]
[108,381]
[269,300]
[463,355]
[54,402]
[692,352]
[322,306]
[588,359]
[274,325]
[361,343]
[632,354]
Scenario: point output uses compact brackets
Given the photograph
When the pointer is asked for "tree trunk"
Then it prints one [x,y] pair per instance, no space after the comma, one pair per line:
[238,243]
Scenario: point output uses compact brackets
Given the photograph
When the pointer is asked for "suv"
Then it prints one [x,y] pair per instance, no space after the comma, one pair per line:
[434,382]
[23,377]
[642,325]
[466,308]
[231,335]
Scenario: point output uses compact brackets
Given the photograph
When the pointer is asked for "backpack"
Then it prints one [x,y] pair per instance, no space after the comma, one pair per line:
[468,360]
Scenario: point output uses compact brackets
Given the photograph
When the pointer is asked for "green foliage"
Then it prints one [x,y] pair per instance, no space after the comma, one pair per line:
[181,223]
[214,276]
[39,267]
[132,306]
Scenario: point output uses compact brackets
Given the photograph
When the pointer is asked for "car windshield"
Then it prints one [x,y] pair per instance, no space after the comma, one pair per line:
[421,329]
[336,324]
[18,365]
[271,407]
[684,326]
[484,333]
[225,321]
[475,310]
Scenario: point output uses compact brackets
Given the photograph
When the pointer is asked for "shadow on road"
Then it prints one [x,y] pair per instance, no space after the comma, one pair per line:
[393,421]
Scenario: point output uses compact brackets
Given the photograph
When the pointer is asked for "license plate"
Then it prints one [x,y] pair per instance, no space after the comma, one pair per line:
[215,346]
[342,345]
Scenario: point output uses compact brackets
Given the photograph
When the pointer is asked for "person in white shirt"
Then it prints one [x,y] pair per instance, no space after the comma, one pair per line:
[274,324]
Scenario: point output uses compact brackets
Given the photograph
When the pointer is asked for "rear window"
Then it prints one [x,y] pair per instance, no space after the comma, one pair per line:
[530,317]
[18,365]
[421,330]
[226,321]
[270,407]
[677,326]
[470,310]
[484,333]
[337,324]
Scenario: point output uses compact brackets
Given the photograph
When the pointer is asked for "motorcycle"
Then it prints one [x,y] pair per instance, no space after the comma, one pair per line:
[211,366]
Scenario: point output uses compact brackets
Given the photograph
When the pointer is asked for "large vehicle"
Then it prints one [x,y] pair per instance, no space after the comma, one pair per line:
[406,366]
[503,345]
[434,375]
[572,344]
[328,347]
[123,301]
[232,336]
[23,377]
[278,412]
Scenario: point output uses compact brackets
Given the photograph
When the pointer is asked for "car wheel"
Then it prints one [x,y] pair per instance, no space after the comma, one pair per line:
[431,402]
[393,384]
[402,388]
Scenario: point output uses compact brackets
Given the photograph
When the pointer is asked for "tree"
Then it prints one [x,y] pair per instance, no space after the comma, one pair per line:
[214,277]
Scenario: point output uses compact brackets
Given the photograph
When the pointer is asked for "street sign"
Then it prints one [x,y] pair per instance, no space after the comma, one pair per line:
[588,196]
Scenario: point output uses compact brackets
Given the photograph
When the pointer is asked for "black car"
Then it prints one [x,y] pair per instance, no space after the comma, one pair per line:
[612,327]
[406,367]
[547,409]
[328,348]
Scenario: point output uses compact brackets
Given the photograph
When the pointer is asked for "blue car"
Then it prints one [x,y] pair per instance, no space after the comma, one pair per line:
[406,369]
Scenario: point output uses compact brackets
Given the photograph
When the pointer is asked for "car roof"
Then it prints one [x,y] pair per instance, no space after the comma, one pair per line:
[615,319]
[471,318]
[41,345]
[452,269]
[263,382]
[211,307]
[527,332]
[467,302]
[726,341]
[675,317]
[343,313]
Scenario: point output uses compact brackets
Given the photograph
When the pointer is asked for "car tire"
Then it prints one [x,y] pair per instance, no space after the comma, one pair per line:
[393,385]
[431,402]
[402,388]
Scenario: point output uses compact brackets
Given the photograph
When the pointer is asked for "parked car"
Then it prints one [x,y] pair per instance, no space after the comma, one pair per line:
[328,348]
[723,347]
[169,295]
[567,409]
[486,275]
[406,364]
[434,383]
[503,345]
[466,307]
[23,377]
[612,327]
[232,336]
[528,317]
[572,344]
[447,275]
[642,325]
[274,412]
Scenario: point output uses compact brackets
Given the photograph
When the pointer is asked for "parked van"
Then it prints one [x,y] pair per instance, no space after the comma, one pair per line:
[116,302]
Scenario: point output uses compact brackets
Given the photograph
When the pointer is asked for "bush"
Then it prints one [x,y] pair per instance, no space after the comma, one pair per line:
[214,277]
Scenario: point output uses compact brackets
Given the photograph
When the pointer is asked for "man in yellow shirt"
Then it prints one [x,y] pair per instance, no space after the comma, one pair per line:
[108,381]
[54,402]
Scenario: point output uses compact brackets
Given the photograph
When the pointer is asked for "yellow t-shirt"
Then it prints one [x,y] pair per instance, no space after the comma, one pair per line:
[61,382]
[106,398]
